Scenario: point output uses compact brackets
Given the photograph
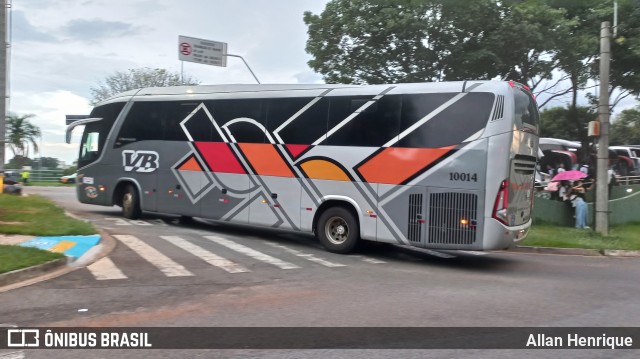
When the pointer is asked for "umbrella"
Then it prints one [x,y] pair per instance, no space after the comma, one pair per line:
[569,176]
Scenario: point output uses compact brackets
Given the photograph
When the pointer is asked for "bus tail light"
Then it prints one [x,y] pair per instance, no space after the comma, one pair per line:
[500,205]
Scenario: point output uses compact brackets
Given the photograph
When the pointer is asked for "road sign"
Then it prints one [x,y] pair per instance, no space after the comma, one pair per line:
[202,51]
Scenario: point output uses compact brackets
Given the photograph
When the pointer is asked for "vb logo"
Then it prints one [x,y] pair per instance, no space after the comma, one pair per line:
[140,161]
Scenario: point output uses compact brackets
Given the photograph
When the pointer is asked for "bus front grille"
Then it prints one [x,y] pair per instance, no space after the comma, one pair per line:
[452,218]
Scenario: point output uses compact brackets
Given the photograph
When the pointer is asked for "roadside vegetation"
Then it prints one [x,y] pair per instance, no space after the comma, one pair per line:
[15,257]
[620,237]
[37,216]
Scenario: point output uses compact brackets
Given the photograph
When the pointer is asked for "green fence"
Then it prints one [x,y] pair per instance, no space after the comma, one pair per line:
[41,175]
[624,207]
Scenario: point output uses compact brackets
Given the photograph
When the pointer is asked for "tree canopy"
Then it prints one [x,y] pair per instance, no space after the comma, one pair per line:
[625,130]
[132,79]
[540,43]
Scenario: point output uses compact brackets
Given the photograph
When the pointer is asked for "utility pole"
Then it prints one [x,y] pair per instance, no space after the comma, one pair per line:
[3,86]
[602,188]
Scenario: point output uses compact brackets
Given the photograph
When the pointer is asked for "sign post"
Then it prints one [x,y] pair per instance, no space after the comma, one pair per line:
[206,52]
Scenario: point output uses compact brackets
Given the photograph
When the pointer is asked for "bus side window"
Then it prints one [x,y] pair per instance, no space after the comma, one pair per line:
[250,111]
[373,126]
[141,124]
[309,126]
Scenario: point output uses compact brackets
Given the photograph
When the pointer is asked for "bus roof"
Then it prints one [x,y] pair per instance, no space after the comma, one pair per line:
[453,86]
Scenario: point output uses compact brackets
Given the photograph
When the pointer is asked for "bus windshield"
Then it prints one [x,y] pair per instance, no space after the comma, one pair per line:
[95,133]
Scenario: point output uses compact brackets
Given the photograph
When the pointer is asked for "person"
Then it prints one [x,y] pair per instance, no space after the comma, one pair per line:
[611,180]
[560,168]
[581,211]
[551,171]
[578,189]
[563,191]
[25,177]
[585,169]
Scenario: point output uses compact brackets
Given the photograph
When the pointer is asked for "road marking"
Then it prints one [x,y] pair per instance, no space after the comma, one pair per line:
[252,252]
[12,355]
[475,253]
[211,258]
[309,257]
[104,269]
[151,255]
[370,260]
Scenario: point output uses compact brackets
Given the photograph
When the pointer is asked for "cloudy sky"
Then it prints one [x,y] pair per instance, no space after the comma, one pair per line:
[60,49]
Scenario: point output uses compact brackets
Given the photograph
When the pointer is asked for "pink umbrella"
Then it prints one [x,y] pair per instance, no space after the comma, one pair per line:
[569,176]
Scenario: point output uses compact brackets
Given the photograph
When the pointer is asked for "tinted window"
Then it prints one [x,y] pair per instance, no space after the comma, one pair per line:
[95,133]
[224,111]
[148,121]
[371,127]
[452,125]
[308,127]
[526,109]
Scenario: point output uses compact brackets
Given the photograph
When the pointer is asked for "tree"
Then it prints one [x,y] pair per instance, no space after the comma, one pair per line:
[135,79]
[46,162]
[21,133]
[625,129]
[555,122]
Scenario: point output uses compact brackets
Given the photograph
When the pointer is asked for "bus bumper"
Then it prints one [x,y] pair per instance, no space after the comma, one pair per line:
[499,236]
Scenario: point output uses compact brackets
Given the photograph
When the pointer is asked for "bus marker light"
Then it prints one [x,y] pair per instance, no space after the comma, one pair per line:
[102,188]
[223,200]
[464,222]
[264,201]
[309,209]
[371,214]
[422,221]
[276,206]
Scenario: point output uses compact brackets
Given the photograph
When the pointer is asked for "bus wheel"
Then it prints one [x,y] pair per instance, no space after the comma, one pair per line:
[338,230]
[130,203]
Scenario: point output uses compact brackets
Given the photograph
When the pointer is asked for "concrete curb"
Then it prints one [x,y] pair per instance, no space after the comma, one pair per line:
[576,251]
[24,274]
[106,245]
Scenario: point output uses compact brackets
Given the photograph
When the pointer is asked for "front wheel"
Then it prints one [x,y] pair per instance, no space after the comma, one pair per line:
[338,230]
[131,203]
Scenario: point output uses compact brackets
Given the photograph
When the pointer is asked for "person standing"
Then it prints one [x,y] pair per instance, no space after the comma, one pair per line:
[581,211]
[25,177]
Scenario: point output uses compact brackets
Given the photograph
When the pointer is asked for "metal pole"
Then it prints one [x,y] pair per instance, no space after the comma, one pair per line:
[3,85]
[254,75]
[602,188]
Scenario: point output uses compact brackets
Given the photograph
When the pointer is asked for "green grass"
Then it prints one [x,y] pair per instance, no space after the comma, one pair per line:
[51,184]
[15,257]
[625,236]
[38,216]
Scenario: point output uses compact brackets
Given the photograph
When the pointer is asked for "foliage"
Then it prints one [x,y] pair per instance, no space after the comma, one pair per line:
[18,162]
[554,122]
[132,79]
[625,130]
[620,237]
[540,43]
[21,133]
[69,171]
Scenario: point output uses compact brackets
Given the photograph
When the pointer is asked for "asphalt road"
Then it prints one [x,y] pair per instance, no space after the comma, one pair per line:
[261,277]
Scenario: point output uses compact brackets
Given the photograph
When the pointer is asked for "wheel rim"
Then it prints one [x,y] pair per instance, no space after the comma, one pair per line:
[127,201]
[336,230]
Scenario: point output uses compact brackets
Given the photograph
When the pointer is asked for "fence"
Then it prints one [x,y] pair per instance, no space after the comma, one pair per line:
[41,175]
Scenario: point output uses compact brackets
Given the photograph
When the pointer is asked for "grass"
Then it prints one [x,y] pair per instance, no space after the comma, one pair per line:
[38,216]
[15,257]
[625,236]
[50,184]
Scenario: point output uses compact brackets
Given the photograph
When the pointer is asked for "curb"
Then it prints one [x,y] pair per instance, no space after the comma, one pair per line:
[576,251]
[24,274]
[13,280]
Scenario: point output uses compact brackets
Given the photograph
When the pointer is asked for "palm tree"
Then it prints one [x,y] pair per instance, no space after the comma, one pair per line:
[21,133]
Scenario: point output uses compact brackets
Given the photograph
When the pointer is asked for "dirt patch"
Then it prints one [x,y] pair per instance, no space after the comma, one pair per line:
[13,240]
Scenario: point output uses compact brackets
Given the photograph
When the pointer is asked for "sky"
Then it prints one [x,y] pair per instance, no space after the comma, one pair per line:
[59,50]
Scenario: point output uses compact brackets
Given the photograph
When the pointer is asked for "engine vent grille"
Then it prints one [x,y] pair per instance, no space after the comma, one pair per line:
[452,218]
[414,232]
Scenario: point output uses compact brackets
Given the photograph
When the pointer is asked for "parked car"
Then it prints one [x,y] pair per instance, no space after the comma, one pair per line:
[69,179]
[631,166]
[11,177]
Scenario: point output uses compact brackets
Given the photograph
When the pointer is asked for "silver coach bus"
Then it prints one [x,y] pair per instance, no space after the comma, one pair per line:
[435,165]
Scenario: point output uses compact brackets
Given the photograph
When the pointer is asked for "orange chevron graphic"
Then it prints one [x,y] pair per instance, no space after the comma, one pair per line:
[321,169]
[394,165]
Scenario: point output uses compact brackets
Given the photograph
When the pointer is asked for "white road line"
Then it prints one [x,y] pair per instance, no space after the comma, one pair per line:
[307,256]
[436,253]
[104,269]
[151,255]
[12,355]
[211,258]
[370,260]
[252,253]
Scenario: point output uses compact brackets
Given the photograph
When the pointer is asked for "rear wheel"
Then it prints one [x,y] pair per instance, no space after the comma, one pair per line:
[338,230]
[131,203]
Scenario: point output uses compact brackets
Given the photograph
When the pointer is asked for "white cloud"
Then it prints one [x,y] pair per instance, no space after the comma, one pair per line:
[60,50]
